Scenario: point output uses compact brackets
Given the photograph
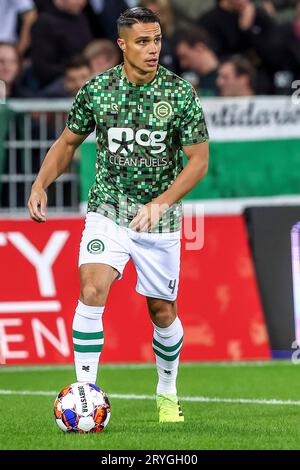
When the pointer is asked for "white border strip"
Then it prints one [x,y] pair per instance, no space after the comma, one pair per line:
[240,401]
[225,206]
[30,307]
[26,105]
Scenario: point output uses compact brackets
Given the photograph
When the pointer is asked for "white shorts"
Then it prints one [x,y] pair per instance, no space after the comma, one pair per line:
[156,256]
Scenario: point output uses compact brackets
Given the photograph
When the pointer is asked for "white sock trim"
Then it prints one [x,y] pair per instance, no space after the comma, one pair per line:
[169,330]
[89,311]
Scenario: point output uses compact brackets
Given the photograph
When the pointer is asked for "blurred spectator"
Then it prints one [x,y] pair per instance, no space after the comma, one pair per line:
[101,55]
[236,77]
[238,26]
[56,36]
[191,9]
[9,74]
[290,58]
[9,70]
[11,12]
[269,7]
[195,52]
[281,10]
[103,15]
[77,73]
[43,5]
[165,12]
[297,21]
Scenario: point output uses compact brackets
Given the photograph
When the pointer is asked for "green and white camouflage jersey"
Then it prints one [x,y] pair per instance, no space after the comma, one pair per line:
[140,132]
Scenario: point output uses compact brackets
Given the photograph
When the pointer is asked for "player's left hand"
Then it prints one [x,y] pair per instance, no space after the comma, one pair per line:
[147,217]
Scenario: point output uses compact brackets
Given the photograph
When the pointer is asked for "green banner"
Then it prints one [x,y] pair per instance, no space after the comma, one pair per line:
[236,169]
[254,149]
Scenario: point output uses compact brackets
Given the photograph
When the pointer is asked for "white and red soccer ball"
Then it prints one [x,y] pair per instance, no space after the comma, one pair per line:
[82,408]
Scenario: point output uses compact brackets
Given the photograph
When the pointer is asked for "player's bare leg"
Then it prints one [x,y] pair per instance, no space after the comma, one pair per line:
[95,282]
[167,342]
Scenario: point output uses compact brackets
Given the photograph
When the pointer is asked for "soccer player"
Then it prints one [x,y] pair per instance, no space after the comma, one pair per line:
[145,118]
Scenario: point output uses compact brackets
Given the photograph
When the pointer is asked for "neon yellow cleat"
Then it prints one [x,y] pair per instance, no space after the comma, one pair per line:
[169,410]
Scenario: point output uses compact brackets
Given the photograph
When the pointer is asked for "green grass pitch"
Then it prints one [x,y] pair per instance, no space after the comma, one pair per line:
[218,418]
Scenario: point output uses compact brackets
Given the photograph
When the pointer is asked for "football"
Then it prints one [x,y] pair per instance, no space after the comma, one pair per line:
[82,407]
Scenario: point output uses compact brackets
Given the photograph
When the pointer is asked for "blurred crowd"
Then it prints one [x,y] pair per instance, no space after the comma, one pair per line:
[50,48]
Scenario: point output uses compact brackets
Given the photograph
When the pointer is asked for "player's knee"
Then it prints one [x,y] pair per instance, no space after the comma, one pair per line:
[163,319]
[163,313]
[93,294]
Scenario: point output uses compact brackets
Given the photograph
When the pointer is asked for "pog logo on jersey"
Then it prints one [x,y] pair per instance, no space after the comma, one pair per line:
[121,140]
[95,246]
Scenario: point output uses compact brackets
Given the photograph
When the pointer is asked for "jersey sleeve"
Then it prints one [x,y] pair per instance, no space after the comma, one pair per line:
[193,129]
[81,118]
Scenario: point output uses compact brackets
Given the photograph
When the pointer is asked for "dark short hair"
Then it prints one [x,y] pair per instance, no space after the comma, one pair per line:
[242,66]
[136,15]
[77,62]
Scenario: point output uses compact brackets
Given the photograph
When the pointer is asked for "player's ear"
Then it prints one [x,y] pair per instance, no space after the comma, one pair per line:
[121,44]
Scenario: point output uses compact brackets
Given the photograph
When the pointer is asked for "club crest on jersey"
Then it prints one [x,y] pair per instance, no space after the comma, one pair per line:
[95,246]
[162,110]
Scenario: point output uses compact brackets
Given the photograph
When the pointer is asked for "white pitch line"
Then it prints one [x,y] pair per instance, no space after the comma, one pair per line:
[183,365]
[48,368]
[30,307]
[241,401]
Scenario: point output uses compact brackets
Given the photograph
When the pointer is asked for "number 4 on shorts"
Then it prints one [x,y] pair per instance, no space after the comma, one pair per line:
[172,285]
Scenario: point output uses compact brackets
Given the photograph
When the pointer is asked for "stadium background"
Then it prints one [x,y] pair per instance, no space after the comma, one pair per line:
[236,292]
[239,287]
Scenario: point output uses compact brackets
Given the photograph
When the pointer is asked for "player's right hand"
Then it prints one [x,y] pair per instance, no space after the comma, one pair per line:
[37,204]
